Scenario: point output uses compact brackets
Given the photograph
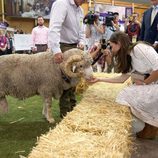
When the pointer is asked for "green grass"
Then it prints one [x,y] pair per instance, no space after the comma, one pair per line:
[20,127]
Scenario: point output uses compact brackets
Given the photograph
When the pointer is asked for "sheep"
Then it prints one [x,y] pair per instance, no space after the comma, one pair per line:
[24,75]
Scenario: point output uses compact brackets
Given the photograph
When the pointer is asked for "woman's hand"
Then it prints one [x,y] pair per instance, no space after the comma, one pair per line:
[139,82]
[93,80]
[108,55]
[98,46]
[106,52]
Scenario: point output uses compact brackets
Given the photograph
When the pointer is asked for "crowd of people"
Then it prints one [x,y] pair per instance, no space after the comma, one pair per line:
[127,55]
[6,39]
[130,52]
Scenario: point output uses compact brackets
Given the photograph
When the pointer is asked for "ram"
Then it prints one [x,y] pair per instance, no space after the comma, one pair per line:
[24,75]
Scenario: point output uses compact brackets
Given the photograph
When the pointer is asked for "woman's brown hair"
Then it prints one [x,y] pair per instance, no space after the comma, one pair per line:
[123,59]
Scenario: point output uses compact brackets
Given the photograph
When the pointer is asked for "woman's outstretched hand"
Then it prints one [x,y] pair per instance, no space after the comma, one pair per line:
[93,80]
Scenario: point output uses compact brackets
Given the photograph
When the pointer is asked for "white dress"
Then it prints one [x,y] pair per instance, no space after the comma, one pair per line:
[142,99]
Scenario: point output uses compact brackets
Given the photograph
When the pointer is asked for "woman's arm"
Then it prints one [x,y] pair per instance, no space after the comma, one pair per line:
[88,31]
[99,28]
[95,51]
[119,79]
[152,78]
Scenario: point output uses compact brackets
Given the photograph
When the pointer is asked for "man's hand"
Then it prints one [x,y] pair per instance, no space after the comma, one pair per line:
[58,57]
[155,45]
[3,49]
[34,49]
[80,46]
[115,25]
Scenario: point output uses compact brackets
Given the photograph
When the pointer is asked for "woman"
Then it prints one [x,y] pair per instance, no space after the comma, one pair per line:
[94,32]
[3,42]
[137,61]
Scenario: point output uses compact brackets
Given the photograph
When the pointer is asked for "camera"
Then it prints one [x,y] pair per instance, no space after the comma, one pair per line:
[108,21]
[104,45]
[90,18]
[110,17]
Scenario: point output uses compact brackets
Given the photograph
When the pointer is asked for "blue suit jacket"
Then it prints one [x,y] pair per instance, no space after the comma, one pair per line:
[149,32]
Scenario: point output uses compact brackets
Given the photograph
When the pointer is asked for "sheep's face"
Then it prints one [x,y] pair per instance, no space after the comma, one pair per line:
[84,67]
[78,64]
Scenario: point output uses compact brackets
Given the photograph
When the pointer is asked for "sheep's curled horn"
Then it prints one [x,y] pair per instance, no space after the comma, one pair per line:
[68,65]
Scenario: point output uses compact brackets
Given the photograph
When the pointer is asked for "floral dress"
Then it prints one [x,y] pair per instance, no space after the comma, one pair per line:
[142,99]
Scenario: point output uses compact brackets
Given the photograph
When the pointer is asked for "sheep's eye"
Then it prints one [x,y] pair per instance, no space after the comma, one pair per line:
[81,66]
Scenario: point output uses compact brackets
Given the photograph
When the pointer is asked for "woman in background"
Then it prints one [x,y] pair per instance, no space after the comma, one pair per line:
[94,31]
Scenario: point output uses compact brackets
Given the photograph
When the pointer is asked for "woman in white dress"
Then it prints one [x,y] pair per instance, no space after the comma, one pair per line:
[140,62]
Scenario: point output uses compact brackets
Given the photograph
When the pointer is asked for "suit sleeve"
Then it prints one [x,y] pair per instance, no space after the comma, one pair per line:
[141,37]
[156,40]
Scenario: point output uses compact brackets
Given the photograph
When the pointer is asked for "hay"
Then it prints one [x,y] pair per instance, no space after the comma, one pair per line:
[96,128]
[82,86]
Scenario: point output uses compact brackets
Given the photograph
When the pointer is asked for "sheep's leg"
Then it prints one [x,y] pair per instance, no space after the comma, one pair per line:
[44,111]
[47,112]
[3,105]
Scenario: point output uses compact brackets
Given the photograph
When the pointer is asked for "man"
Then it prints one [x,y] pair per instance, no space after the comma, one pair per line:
[133,28]
[115,21]
[149,29]
[40,36]
[65,32]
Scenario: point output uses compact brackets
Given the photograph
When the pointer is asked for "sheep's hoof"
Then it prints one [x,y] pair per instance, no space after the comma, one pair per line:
[51,120]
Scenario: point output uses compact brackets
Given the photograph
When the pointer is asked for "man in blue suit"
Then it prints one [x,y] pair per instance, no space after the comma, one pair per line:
[149,29]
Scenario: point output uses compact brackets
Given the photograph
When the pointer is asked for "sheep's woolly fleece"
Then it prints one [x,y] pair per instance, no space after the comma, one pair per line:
[96,128]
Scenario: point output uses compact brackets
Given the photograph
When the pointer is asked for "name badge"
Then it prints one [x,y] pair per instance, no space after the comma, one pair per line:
[134,39]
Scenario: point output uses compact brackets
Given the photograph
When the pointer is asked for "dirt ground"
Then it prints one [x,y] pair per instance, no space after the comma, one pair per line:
[146,148]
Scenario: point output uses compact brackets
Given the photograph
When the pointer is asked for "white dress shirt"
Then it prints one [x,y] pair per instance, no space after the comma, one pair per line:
[66,24]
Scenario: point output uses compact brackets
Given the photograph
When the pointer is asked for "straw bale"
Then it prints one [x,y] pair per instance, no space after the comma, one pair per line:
[96,128]
[77,144]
